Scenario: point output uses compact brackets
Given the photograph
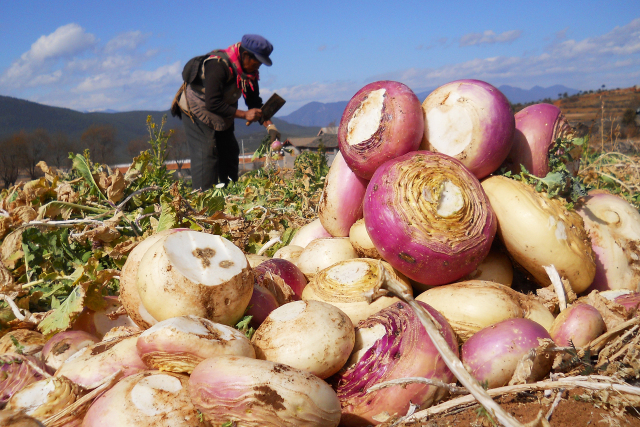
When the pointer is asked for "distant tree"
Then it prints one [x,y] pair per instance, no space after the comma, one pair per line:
[136,146]
[178,148]
[602,86]
[629,117]
[101,142]
[61,146]
[11,157]
[565,95]
[559,95]
[37,145]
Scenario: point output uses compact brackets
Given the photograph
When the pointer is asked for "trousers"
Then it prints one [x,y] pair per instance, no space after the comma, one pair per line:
[214,154]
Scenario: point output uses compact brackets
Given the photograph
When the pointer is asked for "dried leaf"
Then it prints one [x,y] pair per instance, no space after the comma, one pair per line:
[11,249]
[7,284]
[612,313]
[65,193]
[117,185]
[23,215]
[50,172]
[122,249]
[5,225]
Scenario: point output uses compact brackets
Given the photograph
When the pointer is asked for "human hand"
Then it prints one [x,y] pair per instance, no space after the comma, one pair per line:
[274,134]
[253,115]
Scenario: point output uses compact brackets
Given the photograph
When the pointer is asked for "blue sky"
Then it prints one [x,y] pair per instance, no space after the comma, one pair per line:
[128,55]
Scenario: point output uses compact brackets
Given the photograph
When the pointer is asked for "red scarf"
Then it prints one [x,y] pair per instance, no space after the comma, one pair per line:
[232,59]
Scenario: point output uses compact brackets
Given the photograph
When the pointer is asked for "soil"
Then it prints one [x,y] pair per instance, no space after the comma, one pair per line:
[577,408]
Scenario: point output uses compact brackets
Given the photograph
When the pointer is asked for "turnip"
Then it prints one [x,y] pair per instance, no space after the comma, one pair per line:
[471,121]
[283,278]
[341,200]
[428,217]
[149,398]
[26,341]
[538,127]
[284,337]
[382,121]
[538,231]
[98,323]
[261,304]
[16,372]
[613,225]
[322,253]
[180,343]
[91,365]
[289,252]
[63,345]
[46,397]
[195,273]
[492,354]
[361,241]
[473,305]
[14,418]
[392,344]
[252,392]
[308,233]
[354,286]
[578,324]
[129,296]
[495,267]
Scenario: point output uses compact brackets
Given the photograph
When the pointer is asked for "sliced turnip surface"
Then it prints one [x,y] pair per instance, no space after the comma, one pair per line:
[354,286]
[195,273]
[341,201]
[98,323]
[29,342]
[46,397]
[16,372]
[180,343]
[471,121]
[382,121]
[284,337]
[150,398]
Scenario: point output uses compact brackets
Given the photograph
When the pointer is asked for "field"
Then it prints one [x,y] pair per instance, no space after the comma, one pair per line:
[66,236]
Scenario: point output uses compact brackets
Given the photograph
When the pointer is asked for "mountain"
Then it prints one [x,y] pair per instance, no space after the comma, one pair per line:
[317,114]
[18,114]
[515,95]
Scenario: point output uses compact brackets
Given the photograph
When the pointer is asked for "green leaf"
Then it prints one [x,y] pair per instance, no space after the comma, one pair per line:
[79,163]
[63,316]
[168,217]
[243,326]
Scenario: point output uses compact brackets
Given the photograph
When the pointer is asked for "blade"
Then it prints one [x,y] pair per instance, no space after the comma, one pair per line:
[273,104]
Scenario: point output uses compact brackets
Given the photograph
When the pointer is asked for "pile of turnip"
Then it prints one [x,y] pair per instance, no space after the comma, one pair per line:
[413,206]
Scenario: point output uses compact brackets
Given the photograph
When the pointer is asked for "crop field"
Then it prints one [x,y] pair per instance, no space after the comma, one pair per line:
[68,237]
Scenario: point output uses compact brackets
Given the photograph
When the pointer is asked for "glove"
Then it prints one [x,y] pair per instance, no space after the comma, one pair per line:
[273,133]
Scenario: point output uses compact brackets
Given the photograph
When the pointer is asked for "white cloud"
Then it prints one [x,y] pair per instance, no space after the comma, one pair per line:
[489,37]
[130,40]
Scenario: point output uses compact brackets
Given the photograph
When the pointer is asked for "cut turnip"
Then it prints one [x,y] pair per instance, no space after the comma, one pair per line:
[180,343]
[28,342]
[149,398]
[46,397]
[195,273]
[471,121]
[129,296]
[98,323]
[382,121]
[354,286]
[285,337]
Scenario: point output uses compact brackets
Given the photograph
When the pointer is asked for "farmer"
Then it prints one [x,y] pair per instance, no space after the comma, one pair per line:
[210,103]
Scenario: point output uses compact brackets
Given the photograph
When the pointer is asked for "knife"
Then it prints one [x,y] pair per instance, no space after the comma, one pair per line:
[271,107]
